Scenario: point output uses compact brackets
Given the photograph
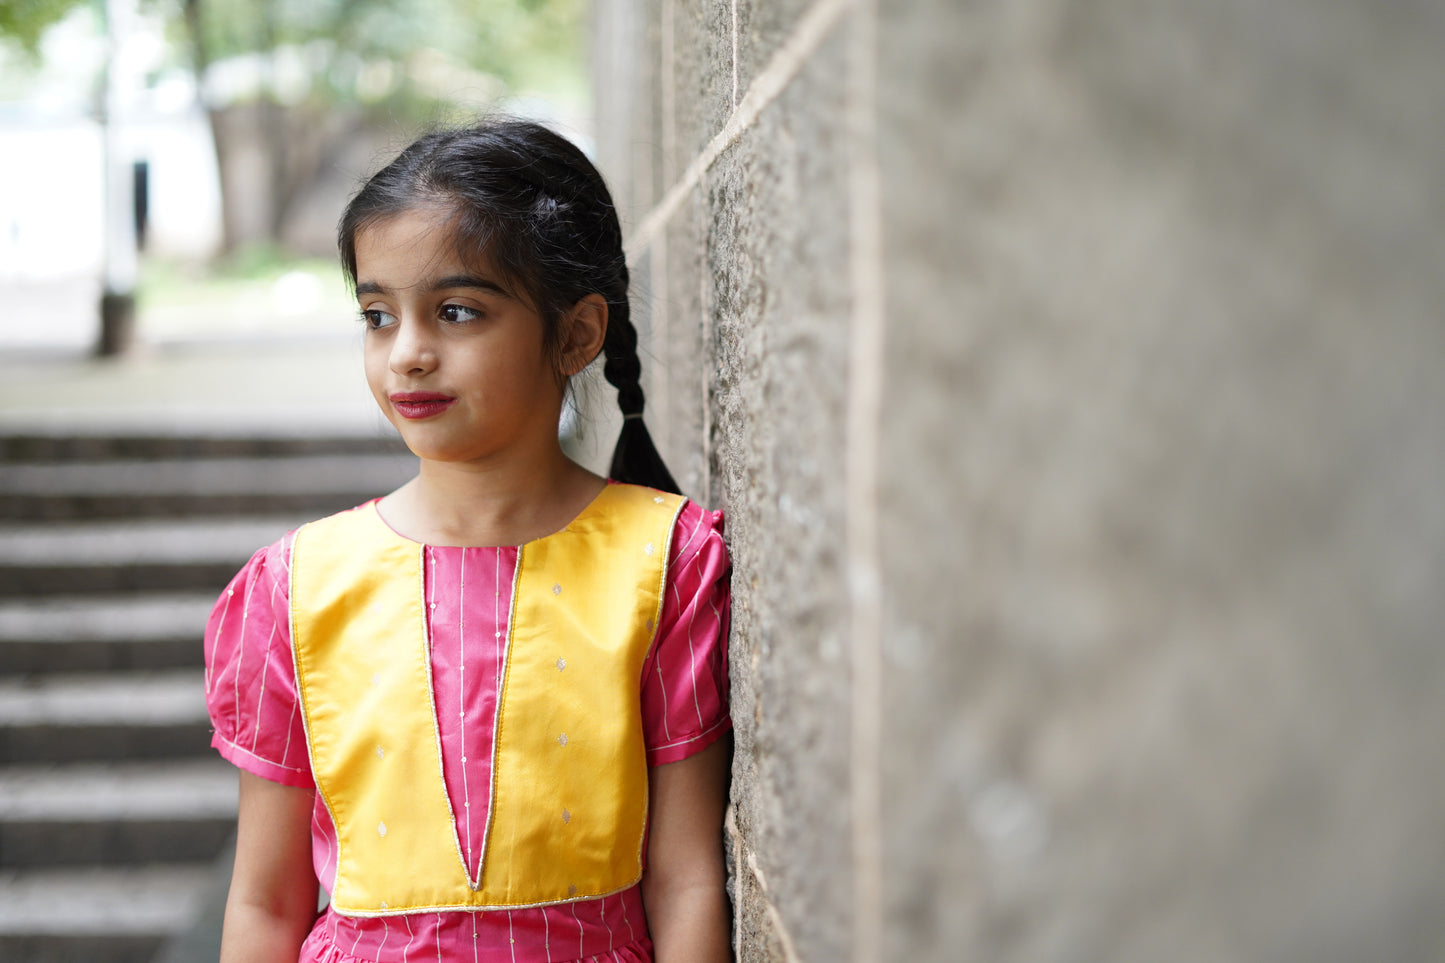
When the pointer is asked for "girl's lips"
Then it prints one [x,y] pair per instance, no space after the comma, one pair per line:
[420,404]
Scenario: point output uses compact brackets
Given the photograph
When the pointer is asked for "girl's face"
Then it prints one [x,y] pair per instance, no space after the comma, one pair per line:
[455,359]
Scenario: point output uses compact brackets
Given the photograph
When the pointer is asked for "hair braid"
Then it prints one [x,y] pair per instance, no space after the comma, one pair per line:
[622,367]
[635,459]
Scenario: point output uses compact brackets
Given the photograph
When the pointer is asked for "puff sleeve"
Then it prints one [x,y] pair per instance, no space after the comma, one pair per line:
[684,680]
[250,677]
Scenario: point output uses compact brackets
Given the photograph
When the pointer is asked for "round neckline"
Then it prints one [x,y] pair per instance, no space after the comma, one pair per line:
[374,506]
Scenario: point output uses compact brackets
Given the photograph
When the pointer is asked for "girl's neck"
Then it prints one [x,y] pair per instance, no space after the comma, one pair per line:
[471,505]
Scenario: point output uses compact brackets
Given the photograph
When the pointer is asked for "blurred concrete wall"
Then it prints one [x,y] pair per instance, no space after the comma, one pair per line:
[1073,375]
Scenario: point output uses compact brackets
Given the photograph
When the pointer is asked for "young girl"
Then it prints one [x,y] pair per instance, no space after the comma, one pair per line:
[488,711]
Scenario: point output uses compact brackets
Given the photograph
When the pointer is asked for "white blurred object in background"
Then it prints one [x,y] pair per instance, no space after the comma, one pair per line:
[53,180]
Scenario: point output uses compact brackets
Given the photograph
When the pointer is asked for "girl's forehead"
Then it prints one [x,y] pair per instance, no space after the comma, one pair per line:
[417,241]
[431,226]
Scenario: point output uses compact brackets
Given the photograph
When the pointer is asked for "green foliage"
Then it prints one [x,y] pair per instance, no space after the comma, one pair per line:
[24,21]
[314,83]
[407,54]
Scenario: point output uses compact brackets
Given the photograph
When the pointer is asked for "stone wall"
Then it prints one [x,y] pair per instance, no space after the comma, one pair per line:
[1073,376]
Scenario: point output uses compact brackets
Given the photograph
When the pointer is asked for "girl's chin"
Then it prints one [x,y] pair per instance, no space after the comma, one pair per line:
[438,450]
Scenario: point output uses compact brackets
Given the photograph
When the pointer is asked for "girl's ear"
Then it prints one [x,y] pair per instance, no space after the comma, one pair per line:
[584,331]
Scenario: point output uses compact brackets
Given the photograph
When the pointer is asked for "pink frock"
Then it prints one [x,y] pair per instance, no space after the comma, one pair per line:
[251,695]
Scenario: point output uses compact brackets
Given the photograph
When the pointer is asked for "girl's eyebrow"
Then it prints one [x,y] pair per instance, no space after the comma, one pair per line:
[469,281]
[443,284]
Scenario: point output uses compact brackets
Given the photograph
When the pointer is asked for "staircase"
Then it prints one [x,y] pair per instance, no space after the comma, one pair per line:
[115,815]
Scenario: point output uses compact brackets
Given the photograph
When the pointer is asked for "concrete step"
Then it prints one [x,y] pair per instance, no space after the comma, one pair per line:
[131,556]
[200,941]
[113,807]
[98,633]
[149,447]
[97,915]
[127,715]
[310,485]
[140,542]
[115,813]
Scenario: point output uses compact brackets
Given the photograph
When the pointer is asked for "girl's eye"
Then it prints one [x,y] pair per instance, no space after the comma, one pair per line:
[458,313]
[375,318]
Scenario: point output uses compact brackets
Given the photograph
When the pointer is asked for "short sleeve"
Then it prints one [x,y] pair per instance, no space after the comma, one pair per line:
[250,677]
[684,681]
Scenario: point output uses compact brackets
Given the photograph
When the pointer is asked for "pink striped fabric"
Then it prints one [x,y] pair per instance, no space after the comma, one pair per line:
[251,695]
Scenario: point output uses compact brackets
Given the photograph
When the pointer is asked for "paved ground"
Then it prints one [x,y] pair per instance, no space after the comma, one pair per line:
[269,382]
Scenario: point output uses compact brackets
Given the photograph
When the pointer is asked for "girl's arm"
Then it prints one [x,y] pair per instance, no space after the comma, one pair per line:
[684,887]
[272,903]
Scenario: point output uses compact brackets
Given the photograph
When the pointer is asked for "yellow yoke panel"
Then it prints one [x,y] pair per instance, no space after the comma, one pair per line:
[569,787]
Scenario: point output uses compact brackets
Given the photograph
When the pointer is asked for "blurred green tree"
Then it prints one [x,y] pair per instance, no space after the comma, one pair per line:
[25,20]
[296,89]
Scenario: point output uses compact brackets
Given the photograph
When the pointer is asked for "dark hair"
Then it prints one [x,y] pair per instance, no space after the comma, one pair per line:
[533,204]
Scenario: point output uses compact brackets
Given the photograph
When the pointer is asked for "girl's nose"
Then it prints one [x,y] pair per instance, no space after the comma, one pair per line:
[412,351]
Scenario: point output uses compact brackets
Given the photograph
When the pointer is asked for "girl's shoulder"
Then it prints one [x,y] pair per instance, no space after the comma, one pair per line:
[269,566]
[697,531]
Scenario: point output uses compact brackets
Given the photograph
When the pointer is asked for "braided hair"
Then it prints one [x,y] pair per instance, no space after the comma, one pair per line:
[532,203]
